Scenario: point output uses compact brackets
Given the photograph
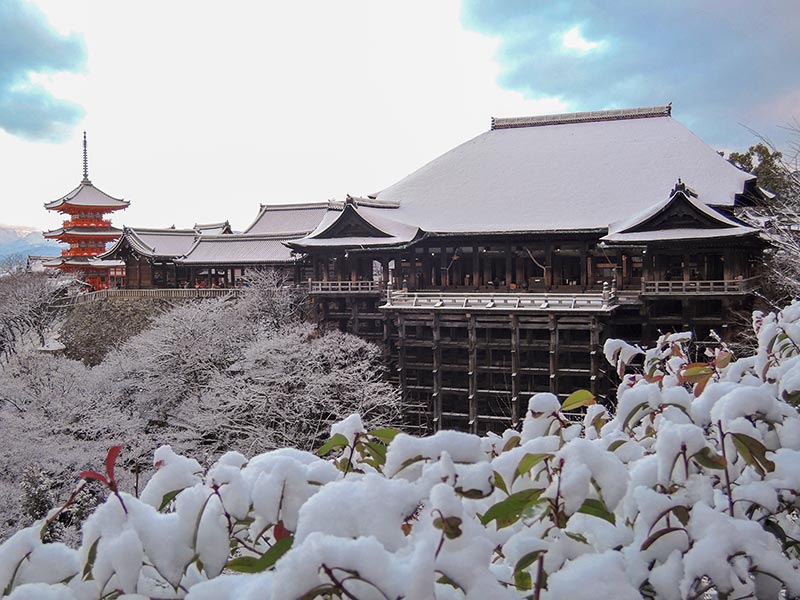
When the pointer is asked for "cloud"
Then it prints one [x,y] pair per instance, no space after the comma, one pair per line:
[723,63]
[30,46]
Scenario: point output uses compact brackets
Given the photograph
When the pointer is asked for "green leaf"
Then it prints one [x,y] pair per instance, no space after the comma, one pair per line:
[510,509]
[337,441]
[500,482]
[450,525]
[597,508]
[527,560]
[87,568]
[386,434]
[528,462]
[709,459]
[576,536]
[253,564]
[616,444]
[753,452]
[473,493]
[658,535]
[631,414]
[167,498]
[512,442]
[522,579]
[680,512]
[578,399]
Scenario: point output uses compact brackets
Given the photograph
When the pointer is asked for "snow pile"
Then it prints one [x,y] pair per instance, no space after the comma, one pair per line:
[690,488]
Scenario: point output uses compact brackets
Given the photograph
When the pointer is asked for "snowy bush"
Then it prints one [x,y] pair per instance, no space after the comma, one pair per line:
[689,491]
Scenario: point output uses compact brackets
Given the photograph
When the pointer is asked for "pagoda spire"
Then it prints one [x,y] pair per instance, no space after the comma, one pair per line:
[85,162]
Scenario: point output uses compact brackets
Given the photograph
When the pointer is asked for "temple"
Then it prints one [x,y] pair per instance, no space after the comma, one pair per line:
[87,231]
[499,269]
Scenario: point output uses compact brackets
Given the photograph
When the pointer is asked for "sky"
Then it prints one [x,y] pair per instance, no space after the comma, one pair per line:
[199,111]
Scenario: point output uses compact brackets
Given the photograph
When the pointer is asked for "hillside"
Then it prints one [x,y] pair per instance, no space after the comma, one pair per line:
[16,239]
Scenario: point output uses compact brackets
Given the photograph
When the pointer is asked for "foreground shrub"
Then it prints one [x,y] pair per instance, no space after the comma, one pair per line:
[691,488]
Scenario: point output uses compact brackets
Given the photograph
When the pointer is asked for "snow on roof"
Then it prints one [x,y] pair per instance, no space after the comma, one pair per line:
[87,194]
[155,242]
[558,173]
[213,228]
[679,234]
[290,220]
[377,227]
[83,232]
[237,249]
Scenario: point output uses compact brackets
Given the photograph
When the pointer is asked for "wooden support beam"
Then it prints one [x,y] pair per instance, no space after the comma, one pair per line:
[354,312]
[594,356]
[507,251]
[476,266]
[515,379]
[472,375]
[401,356]
[553,326]
[436,397]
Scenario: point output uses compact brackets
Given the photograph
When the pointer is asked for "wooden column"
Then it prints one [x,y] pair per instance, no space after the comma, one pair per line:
[584,273]
[476,266]
[520,264]
[548,271]
[594,356]
[685,269]
[401,356]
[436,397]
[472,375]
[515,378]
[507,251]
[444,271]
[354,312]
[553,327]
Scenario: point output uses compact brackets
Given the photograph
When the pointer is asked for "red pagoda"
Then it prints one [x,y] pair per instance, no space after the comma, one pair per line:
[87,232]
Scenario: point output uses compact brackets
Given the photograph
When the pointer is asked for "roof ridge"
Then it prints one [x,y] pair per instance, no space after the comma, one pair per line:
[619,114]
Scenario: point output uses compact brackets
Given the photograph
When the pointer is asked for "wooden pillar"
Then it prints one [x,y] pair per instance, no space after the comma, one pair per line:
[354,312]
[584,273]
[515,378]
[553,326]
[472,374]
[401,356]
[520,264]
[436,397]
[476,266]
[509,275]
[685,269]
[444,271]
[548,271]
[487,270]
[192,279]
[594,356]
[353,263]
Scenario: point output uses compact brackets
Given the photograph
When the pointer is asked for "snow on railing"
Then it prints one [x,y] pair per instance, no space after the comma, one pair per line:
[158,293]
[721,286]
[499,302]
[317,287]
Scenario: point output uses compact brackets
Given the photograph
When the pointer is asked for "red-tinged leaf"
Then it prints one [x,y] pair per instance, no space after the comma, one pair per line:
[111,459]
[698,389]
[676,350]
[93,475]
[723,359]
[658,535]
[280,531]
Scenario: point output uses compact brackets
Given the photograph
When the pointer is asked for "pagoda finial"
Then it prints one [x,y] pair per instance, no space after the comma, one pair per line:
[85,162]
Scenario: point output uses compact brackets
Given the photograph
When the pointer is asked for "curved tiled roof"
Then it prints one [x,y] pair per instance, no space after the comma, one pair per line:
[290,220]
[89,196]
[546,174]
[237,249]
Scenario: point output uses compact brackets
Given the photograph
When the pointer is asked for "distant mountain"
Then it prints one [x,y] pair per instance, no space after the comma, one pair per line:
[26,240]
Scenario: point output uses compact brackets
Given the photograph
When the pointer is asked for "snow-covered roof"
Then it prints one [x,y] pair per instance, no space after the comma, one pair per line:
[237,249]
[680,217]
[562,173]
[291,220]
[101,232]
[213,228]
[355,224]
[84,262]
[155,242]
[86,194]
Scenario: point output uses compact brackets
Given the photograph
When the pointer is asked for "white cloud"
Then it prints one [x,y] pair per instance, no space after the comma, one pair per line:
[573,40]
[199,111]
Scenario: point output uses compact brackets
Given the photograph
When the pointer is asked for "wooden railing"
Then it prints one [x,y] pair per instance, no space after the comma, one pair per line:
[348,287]
[500,302]
[702,288]
[168,293]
